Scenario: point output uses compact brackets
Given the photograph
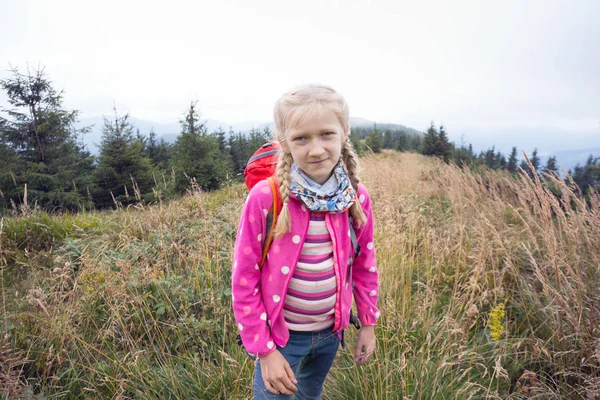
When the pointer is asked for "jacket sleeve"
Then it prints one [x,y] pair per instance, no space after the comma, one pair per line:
[248,308]
[365,276]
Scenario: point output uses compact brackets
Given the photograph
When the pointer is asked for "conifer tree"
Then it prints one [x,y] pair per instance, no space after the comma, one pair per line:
[390,139]
[535,162]
[511,166]
[373,140]
[158,151]
[445,147]
[431,141]
[357,144]
[238,150]
[403,142]
[490,158]
[415,143]
[551,165]
[197,156]
[499,161]
[588,175]
[39,146]
[436,143]
[124,172]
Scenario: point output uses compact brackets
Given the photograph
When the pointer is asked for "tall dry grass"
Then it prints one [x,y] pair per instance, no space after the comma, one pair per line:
[489,289]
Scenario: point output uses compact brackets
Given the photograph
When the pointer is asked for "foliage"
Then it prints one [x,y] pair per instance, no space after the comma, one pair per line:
[124,172]
[42,160]
[532,167]
[199,158]
[436,143]
[511,166]
[157,151]
[484,279]
[373,141]
[242,146]
[587,177]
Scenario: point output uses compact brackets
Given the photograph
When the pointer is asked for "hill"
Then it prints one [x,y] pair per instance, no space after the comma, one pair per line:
[170,131]
[488,289]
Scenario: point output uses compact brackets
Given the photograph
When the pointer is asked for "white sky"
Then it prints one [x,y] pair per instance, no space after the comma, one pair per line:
[483,68]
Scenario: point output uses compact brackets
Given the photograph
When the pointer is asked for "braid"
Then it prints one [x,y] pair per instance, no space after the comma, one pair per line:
[351,163]
[350,160]
[284,166]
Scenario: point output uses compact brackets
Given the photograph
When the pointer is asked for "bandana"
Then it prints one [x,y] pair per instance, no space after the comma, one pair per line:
[336,195]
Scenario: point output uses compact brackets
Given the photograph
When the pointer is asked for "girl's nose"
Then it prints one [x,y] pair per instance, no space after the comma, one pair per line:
[316,149]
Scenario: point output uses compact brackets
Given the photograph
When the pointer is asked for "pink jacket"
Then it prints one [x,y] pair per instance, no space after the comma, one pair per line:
[259,295]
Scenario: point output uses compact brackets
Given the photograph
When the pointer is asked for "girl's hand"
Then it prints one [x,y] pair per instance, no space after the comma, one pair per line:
[277,374]
[365,345]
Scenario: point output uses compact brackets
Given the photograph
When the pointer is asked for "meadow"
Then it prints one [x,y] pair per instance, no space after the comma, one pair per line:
[490,289]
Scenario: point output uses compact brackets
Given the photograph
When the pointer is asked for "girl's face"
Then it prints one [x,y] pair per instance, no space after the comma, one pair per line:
[316,145]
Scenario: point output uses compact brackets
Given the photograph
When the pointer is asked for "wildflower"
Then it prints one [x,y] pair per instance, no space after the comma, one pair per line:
[496,321]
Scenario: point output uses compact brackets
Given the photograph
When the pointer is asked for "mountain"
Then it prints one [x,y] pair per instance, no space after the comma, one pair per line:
[362,122]
[568,159]
[166,131]
[170,131]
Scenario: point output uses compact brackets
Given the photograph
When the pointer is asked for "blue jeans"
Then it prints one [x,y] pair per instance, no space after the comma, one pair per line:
[310,355]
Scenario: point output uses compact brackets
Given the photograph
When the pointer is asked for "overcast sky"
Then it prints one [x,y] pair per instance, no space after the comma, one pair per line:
[491,70]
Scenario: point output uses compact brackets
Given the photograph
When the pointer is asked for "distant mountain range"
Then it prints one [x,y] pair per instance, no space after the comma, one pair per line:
[567,159]
[170,131]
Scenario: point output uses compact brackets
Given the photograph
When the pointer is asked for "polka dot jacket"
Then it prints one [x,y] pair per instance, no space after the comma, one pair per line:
[259,295]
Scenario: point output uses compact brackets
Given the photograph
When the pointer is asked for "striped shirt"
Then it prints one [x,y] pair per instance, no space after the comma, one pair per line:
[311,296]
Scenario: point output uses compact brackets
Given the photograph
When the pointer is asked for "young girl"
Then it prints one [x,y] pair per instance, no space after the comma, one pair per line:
[291,313]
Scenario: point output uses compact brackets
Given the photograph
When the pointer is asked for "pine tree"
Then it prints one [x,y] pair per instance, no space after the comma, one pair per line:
[511,166]
[535,160]
[490,158]
[39,146]
[357,144]
[415,143]
[431,141]
[403,142]
[551,165]
[197,156]
[436,143]
[158,151]
[374,141]
[500,161]
[390,139]
[445,147]
[588,176]
[124,172]
[238,150]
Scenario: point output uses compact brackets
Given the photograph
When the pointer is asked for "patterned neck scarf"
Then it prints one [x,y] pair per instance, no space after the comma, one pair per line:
[336,195]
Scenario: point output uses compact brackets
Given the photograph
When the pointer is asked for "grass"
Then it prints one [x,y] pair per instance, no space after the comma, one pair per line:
[489,290]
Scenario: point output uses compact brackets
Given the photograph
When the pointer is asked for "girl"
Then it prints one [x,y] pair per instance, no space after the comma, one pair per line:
[291,313]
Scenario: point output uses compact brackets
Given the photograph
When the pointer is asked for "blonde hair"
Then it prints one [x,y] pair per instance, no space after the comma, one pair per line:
[302,103]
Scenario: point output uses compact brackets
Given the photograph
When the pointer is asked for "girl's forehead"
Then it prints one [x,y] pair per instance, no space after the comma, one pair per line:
[311,117]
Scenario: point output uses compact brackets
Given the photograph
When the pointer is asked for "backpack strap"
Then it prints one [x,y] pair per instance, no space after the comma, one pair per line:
[271,218]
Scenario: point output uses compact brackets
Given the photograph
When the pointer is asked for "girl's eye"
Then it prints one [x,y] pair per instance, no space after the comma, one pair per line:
[299,139]
[329,133]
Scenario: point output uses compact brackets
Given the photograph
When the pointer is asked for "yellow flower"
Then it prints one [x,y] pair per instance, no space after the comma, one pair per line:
[496,321]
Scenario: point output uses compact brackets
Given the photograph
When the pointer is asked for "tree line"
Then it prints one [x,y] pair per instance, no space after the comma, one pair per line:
[435,143]
[44,162]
